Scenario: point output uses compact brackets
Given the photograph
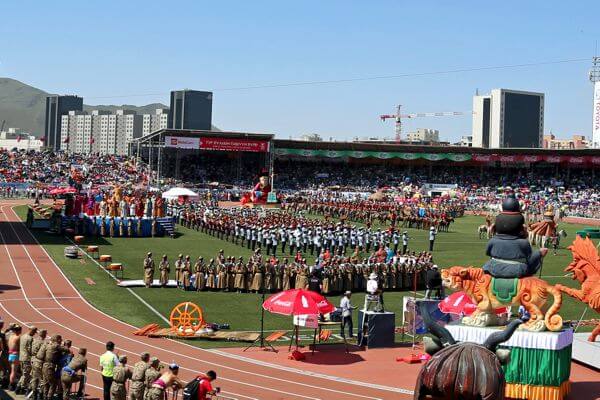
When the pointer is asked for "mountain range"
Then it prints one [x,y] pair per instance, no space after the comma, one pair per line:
[23,106]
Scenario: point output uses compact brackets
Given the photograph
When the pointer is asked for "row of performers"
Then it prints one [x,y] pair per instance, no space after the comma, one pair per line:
[116,206]
[273,275]
[113,227]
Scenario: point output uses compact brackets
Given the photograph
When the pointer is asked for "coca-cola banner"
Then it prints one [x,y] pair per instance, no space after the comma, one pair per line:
[234,144]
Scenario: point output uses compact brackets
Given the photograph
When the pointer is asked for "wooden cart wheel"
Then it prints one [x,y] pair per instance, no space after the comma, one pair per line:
[186,319]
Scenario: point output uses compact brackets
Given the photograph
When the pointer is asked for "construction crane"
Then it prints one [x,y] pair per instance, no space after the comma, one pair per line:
[398,118]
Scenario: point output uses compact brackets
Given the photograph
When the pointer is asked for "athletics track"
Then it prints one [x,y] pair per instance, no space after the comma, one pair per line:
[42,295]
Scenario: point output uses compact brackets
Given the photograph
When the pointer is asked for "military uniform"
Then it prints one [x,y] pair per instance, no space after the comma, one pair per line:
[52,354]
[120,375]
[164,268]
[25,355]
[137,388]
[37,361]
[148,271]
[69,375]
[150,376]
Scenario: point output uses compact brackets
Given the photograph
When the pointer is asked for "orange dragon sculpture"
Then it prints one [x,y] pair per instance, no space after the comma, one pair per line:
[531,292]
[585,268]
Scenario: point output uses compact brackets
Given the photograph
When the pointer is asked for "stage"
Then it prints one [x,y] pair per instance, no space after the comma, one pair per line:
[585,352]
[331,362]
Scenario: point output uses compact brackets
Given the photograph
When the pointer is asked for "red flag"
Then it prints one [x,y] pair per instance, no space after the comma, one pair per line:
[92,140]
[18,138]
[66,140]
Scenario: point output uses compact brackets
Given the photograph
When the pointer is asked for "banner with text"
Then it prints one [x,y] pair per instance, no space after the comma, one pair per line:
[182,142]
[234,144]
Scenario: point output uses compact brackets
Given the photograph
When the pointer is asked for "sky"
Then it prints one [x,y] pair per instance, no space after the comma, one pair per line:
[135,52]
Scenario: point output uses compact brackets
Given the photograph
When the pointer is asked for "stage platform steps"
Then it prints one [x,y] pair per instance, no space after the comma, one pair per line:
[167,224]
[585,352]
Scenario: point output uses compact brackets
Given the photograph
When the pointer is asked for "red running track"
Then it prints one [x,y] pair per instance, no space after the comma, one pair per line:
[44,296]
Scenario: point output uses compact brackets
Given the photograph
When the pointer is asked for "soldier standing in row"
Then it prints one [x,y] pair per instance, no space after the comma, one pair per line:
[121,374]
[73,373]
[136,389]
[179,271]
[37,361]
[148,270]
[52,354]
[25,355]
[151,374]
[164,269]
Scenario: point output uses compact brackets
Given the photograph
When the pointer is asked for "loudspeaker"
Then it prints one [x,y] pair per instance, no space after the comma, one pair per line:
[379,329]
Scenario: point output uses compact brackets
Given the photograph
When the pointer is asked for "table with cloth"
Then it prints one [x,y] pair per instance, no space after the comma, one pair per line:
[540,362]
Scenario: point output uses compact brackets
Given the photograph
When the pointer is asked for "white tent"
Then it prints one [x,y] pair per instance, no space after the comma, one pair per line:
[175,193]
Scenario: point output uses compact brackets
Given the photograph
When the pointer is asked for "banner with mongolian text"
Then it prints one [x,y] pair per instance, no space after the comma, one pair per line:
[234,144]
[455,157]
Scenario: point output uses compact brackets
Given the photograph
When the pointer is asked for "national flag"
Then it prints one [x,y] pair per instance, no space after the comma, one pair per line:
[66,140]
[92,140]
[18,138]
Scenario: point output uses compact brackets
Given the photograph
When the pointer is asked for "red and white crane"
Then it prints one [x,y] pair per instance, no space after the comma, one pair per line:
[398,118]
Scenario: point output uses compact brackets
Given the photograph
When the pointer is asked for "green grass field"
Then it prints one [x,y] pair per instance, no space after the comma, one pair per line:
[461,246]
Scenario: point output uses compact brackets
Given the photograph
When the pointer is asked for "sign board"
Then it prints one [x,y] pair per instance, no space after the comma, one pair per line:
[182,142]
[411,314]
[596,120]
[307,321]
[272,197]
[234,144]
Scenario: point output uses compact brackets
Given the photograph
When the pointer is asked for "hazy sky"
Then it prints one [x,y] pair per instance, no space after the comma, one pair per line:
[137,51]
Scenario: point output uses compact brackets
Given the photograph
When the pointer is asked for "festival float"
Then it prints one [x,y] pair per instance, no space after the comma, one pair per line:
[534,362]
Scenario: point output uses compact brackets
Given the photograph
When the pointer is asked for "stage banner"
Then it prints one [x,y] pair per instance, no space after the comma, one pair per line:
[182,142]
[234,144]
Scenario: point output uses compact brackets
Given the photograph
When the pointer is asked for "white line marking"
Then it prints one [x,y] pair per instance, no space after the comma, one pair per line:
[362,384]
[136,341]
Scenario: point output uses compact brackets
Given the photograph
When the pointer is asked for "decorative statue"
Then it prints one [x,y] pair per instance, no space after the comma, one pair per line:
[103,226]
[531,292]
[124,208]
[132,204]
[541,232]
[261,190]
[129,227]
[511,254]
[139,227]
[117,194]
[139,208]
[121,228]
[103,208]
[153,233]
[585,268]
[158,207]
[462,370]
[111,227]
[148,207]
[112,207]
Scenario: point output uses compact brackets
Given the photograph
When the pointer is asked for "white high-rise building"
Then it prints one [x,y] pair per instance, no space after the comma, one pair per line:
[156,121]
[508,118]
[99,131]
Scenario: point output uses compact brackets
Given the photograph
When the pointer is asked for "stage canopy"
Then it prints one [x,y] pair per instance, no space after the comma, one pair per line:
[176,193]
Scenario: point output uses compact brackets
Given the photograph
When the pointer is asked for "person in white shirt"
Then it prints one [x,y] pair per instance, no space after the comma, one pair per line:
[346,307]
[374,293]
[432,234]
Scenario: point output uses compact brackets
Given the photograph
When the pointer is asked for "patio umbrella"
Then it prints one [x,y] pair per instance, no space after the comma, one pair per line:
[461,304]
[298,302]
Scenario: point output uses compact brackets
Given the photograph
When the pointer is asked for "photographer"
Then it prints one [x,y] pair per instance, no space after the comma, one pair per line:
[205,388]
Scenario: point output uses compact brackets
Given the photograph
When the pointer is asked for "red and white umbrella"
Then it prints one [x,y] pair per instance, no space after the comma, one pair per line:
[298,302]
[461,304]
